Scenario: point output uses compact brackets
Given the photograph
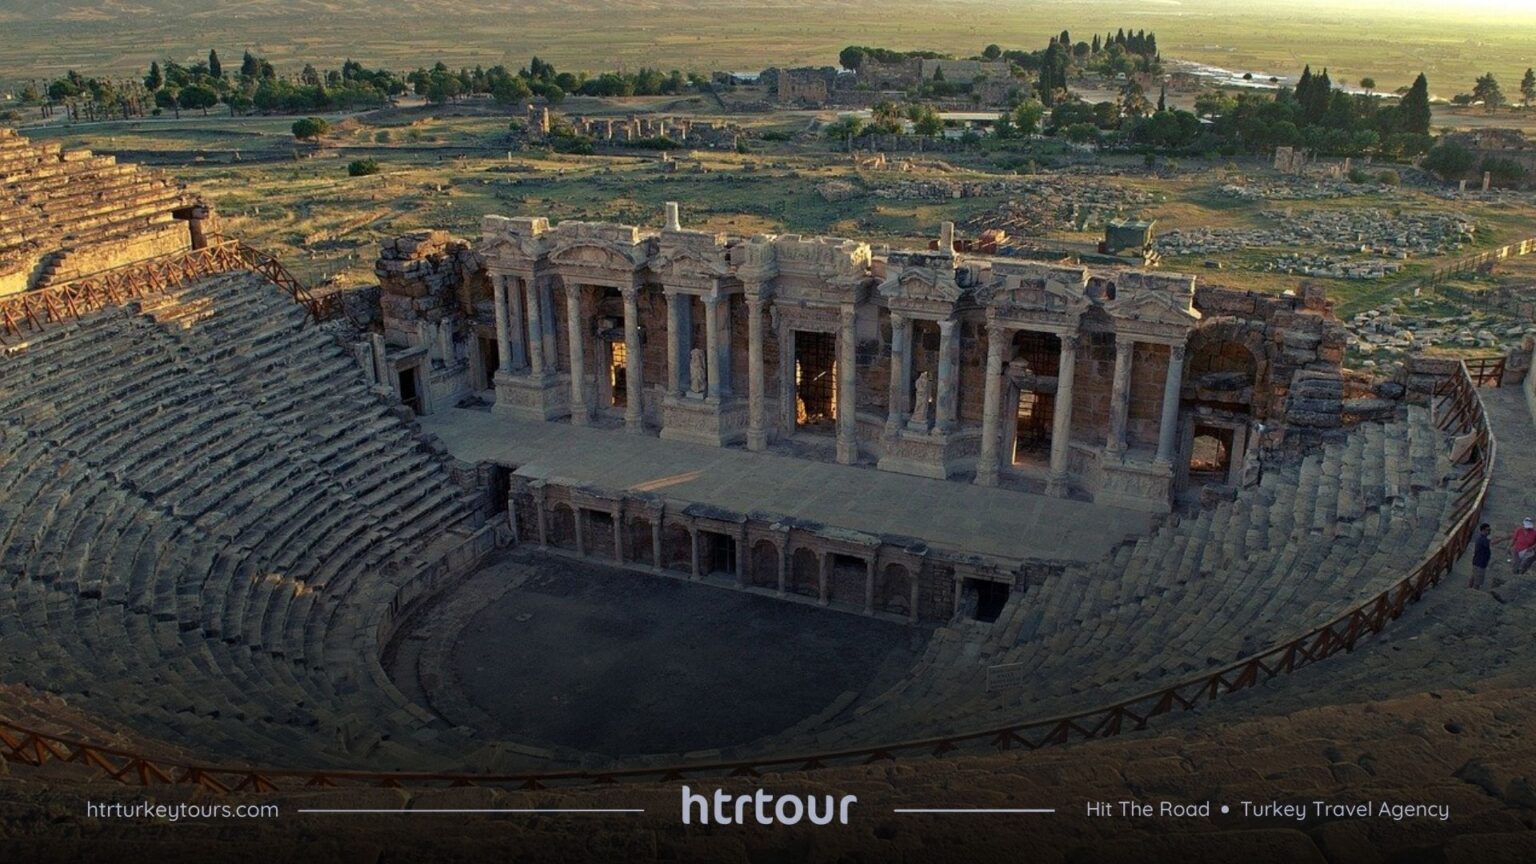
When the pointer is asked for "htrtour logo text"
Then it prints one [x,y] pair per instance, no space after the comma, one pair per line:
[764,808]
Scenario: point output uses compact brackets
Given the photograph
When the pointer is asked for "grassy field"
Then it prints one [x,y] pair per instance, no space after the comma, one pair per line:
[447,170]
[1452,44]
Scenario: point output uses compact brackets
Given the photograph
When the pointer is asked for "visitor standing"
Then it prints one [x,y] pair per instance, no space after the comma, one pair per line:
[1522,546]
[1482,551]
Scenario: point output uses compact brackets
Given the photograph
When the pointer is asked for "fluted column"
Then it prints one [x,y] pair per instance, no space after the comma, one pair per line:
[573,330]
[634,385]
[712,347]
[991,420]
[1120,396]
[847,423]
[1169,423]
[757,432]
[949,348]
[674,344]
[503,325]
[535,328]
[901,370]
[1061,426]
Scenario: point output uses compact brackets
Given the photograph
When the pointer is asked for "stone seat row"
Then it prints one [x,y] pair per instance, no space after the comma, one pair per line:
[1312,540]
[227,535]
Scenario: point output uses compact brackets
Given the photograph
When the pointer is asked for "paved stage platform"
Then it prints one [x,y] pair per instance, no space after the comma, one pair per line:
[982,519]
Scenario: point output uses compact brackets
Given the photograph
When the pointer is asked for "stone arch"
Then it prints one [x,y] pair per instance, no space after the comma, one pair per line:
[562,526]
[805,573]
[893,590]
[846,578]
[676,548]
[764,565]
[1226,363]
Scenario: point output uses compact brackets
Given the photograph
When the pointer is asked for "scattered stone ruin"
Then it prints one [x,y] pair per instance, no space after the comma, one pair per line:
[69,213]
[684,131]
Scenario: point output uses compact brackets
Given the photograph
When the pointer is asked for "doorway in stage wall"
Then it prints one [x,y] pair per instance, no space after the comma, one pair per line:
[815,381]
[490,360]
[410,389]
[618,373]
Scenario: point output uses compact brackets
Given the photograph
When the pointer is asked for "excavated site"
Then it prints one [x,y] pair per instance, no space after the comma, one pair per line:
[562,514]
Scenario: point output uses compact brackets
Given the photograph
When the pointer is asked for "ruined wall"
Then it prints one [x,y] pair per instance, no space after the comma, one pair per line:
[425,276]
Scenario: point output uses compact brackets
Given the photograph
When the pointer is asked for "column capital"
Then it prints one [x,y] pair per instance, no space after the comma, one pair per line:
[848,313]
[572,289]
[946,326]
[1124,344]
[1070,341]
[898,317]
[630,293]
[711,300]
[996,332]
[1176,352]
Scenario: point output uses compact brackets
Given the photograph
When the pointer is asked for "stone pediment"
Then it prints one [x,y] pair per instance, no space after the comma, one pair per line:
[1022,299]
[593,253]
[1153,311]
[687,263]
[922,283]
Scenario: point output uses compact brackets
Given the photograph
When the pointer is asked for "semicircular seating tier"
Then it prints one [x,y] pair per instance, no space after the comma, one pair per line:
[69,213]
[205,514]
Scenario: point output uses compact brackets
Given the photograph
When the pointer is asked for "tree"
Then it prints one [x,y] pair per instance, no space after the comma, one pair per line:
[1504,171]
[1528,88]
[992,52]
[1026,117]
[1096,44]
[1487,91]
[850,58]
[155,79]
[250,66]
[1162,99]
[215,68]
[168,98]
[1368,85]
[1415,107]
[199,96]
[1449,160]
[310,128]
[362,167]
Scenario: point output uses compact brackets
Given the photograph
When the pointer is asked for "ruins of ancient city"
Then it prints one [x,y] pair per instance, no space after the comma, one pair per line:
[711,436]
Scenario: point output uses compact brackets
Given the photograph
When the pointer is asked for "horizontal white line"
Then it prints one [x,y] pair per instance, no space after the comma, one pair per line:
[975,810]
[473,810]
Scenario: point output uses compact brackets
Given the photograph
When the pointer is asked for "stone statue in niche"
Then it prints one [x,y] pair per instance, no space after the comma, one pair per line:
[696,379]
[923,394]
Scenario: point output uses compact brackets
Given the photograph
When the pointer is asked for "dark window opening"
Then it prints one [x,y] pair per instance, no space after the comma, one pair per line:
[501,487]
[618,373]
[1033,424]
[990,598]
[490,360]
[718,553]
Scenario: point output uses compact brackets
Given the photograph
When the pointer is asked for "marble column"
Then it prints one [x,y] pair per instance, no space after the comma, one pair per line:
[656,542]
[503,325]
[847,422]
[573,329]
[536,355]
[538,503]
[380,359]
[757,431]
[783,568]
[869,585]
[581,537]
[823,565]
[674,343]
[915,599]
[550,325]
[712,341]
[693,539]
[901,371]
[618,537]
[741,558]
[515,328]
[634,385]
[1061,425]
[991,413]
[1120,396]
[947,403]
[1169,423]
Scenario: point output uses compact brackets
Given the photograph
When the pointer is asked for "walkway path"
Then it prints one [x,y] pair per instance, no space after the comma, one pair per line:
[986,520]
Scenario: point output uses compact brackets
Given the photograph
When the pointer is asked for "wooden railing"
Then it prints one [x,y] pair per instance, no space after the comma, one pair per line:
[1486,371]
[1456,409]
[32,311]
[1469,263]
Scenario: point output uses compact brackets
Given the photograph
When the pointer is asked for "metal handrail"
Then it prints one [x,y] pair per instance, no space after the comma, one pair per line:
[1455,406]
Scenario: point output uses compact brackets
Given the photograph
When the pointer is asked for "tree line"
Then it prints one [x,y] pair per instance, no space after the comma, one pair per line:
[169,86]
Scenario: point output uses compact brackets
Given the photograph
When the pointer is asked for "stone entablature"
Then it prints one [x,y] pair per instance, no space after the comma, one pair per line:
[1070,379]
